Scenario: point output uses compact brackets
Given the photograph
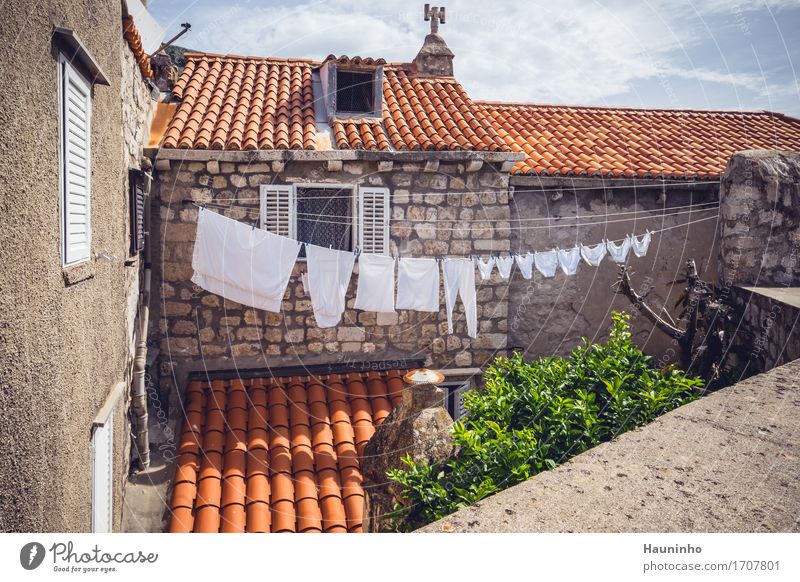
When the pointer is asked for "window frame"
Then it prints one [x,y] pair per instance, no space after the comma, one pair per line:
[102,440]
[66,71]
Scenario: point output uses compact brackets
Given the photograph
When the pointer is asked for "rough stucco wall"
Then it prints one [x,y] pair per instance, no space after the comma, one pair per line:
[760,239]
[62,346]
[550,316]
[196,326]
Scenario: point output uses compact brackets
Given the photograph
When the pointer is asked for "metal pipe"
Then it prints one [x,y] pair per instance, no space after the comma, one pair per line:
[139,389]
[186,26]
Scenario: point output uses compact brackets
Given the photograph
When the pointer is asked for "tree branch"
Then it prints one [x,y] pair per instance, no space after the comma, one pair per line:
[624,286]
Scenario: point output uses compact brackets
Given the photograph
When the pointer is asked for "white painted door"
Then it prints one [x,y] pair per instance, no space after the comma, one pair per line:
[102,476]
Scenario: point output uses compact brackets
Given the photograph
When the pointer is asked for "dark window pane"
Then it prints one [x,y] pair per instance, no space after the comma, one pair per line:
[354,92]
[324,218]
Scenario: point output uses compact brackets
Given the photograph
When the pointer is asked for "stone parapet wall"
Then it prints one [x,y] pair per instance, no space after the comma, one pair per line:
[445,212]
[760,201]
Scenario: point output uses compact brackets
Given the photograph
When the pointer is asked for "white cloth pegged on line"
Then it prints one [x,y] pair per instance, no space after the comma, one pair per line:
[375,290]
[546,262]
[242,263]
[486,268]
[459,279]
[504,265]
[418,285]
[569,260]
[641,245]
[525,264]
[329,272]
[619,253]
[593,255]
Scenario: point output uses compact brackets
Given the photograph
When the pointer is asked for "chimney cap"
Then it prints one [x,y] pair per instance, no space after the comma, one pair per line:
[423,376]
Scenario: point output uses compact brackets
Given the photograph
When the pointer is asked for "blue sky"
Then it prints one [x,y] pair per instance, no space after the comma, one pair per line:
[711,54]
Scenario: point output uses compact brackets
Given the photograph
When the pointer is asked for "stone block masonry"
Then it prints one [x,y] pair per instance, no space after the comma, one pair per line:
[447,212]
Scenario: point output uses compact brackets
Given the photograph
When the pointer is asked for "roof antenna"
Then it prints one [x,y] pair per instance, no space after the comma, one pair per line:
[435,15]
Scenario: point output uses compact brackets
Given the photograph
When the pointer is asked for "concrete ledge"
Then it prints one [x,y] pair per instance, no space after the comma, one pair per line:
[726,463]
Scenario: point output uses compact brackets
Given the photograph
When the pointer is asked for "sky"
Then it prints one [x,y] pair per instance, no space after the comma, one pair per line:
[703,54]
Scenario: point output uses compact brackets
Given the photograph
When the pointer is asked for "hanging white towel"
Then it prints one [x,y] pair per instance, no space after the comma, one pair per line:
[593,255]
[546,262]
[375,283]
[459,279]
[619,253]
[640,246]
[504,265]
[418,285]
[525,264]
[242,263]
[329,273]
[486,268]
[568,260]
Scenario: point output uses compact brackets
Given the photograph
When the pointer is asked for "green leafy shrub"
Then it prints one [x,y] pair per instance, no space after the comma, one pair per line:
[532,416]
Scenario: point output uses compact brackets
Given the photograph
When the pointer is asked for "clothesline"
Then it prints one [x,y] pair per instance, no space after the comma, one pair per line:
[325,220]
[253,267]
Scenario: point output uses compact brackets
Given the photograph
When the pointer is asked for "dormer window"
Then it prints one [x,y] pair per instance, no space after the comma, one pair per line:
[355,92]
[353,87]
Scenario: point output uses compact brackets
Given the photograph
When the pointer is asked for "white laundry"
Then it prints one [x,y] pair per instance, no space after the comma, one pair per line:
[525,264]
[242,263]
[504,265]
[418,285]
[640,246]
[593,255]
[459,279]
[546,262]
[329,273]
[486,268]
[375,283]
[619,253]
[569,260]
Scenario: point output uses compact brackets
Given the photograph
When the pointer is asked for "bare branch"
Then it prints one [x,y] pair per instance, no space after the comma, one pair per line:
[624,286]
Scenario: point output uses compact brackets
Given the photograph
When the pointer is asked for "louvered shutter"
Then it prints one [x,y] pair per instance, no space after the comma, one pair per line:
[103,477]
[373,220]
[137,202]
[76,110]
[277,204]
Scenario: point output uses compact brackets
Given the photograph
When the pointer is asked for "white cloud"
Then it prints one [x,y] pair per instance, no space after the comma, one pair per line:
[570,51]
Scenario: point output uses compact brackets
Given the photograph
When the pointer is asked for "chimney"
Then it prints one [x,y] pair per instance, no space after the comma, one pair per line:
[434,58]
[419,426]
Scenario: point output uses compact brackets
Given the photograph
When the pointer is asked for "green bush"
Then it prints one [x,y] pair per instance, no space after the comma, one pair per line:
[531,416]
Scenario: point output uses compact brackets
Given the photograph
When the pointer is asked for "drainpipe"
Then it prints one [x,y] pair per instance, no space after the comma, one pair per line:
[139,395]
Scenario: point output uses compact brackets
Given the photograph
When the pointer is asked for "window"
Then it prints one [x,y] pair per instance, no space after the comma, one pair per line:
[328,216]
[455,397]
[137,201]
[75,108]
[355,92]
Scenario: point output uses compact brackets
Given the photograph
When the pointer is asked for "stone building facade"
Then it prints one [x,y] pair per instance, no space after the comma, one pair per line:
[467,214]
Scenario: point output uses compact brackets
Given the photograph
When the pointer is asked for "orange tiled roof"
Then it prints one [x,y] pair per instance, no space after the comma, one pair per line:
[606,141]
[131,34]
[277,454]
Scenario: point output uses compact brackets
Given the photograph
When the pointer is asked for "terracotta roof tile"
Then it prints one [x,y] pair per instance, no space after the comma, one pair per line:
[277,454]
[623,142]
[134,40]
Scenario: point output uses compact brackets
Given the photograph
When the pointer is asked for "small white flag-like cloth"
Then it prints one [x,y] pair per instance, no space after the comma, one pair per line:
[329,273]
[375,290]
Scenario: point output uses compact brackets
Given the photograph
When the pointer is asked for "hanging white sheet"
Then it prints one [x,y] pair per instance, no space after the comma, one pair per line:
[569,260]
[242,263]
[375,290]
[594,254]
[418,284]
[525,264]
[459,279]
[641,245]
[329,273]
[546,262]
[486,268]
[619,253]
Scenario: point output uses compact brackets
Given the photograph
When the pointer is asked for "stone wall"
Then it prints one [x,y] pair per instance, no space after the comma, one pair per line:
[65,334]
[550,316]
[196,329]
[760,241]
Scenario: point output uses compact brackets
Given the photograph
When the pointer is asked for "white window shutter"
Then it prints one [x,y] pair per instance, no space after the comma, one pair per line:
[373,220]
[103,477]
[76,111]
[277,209]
